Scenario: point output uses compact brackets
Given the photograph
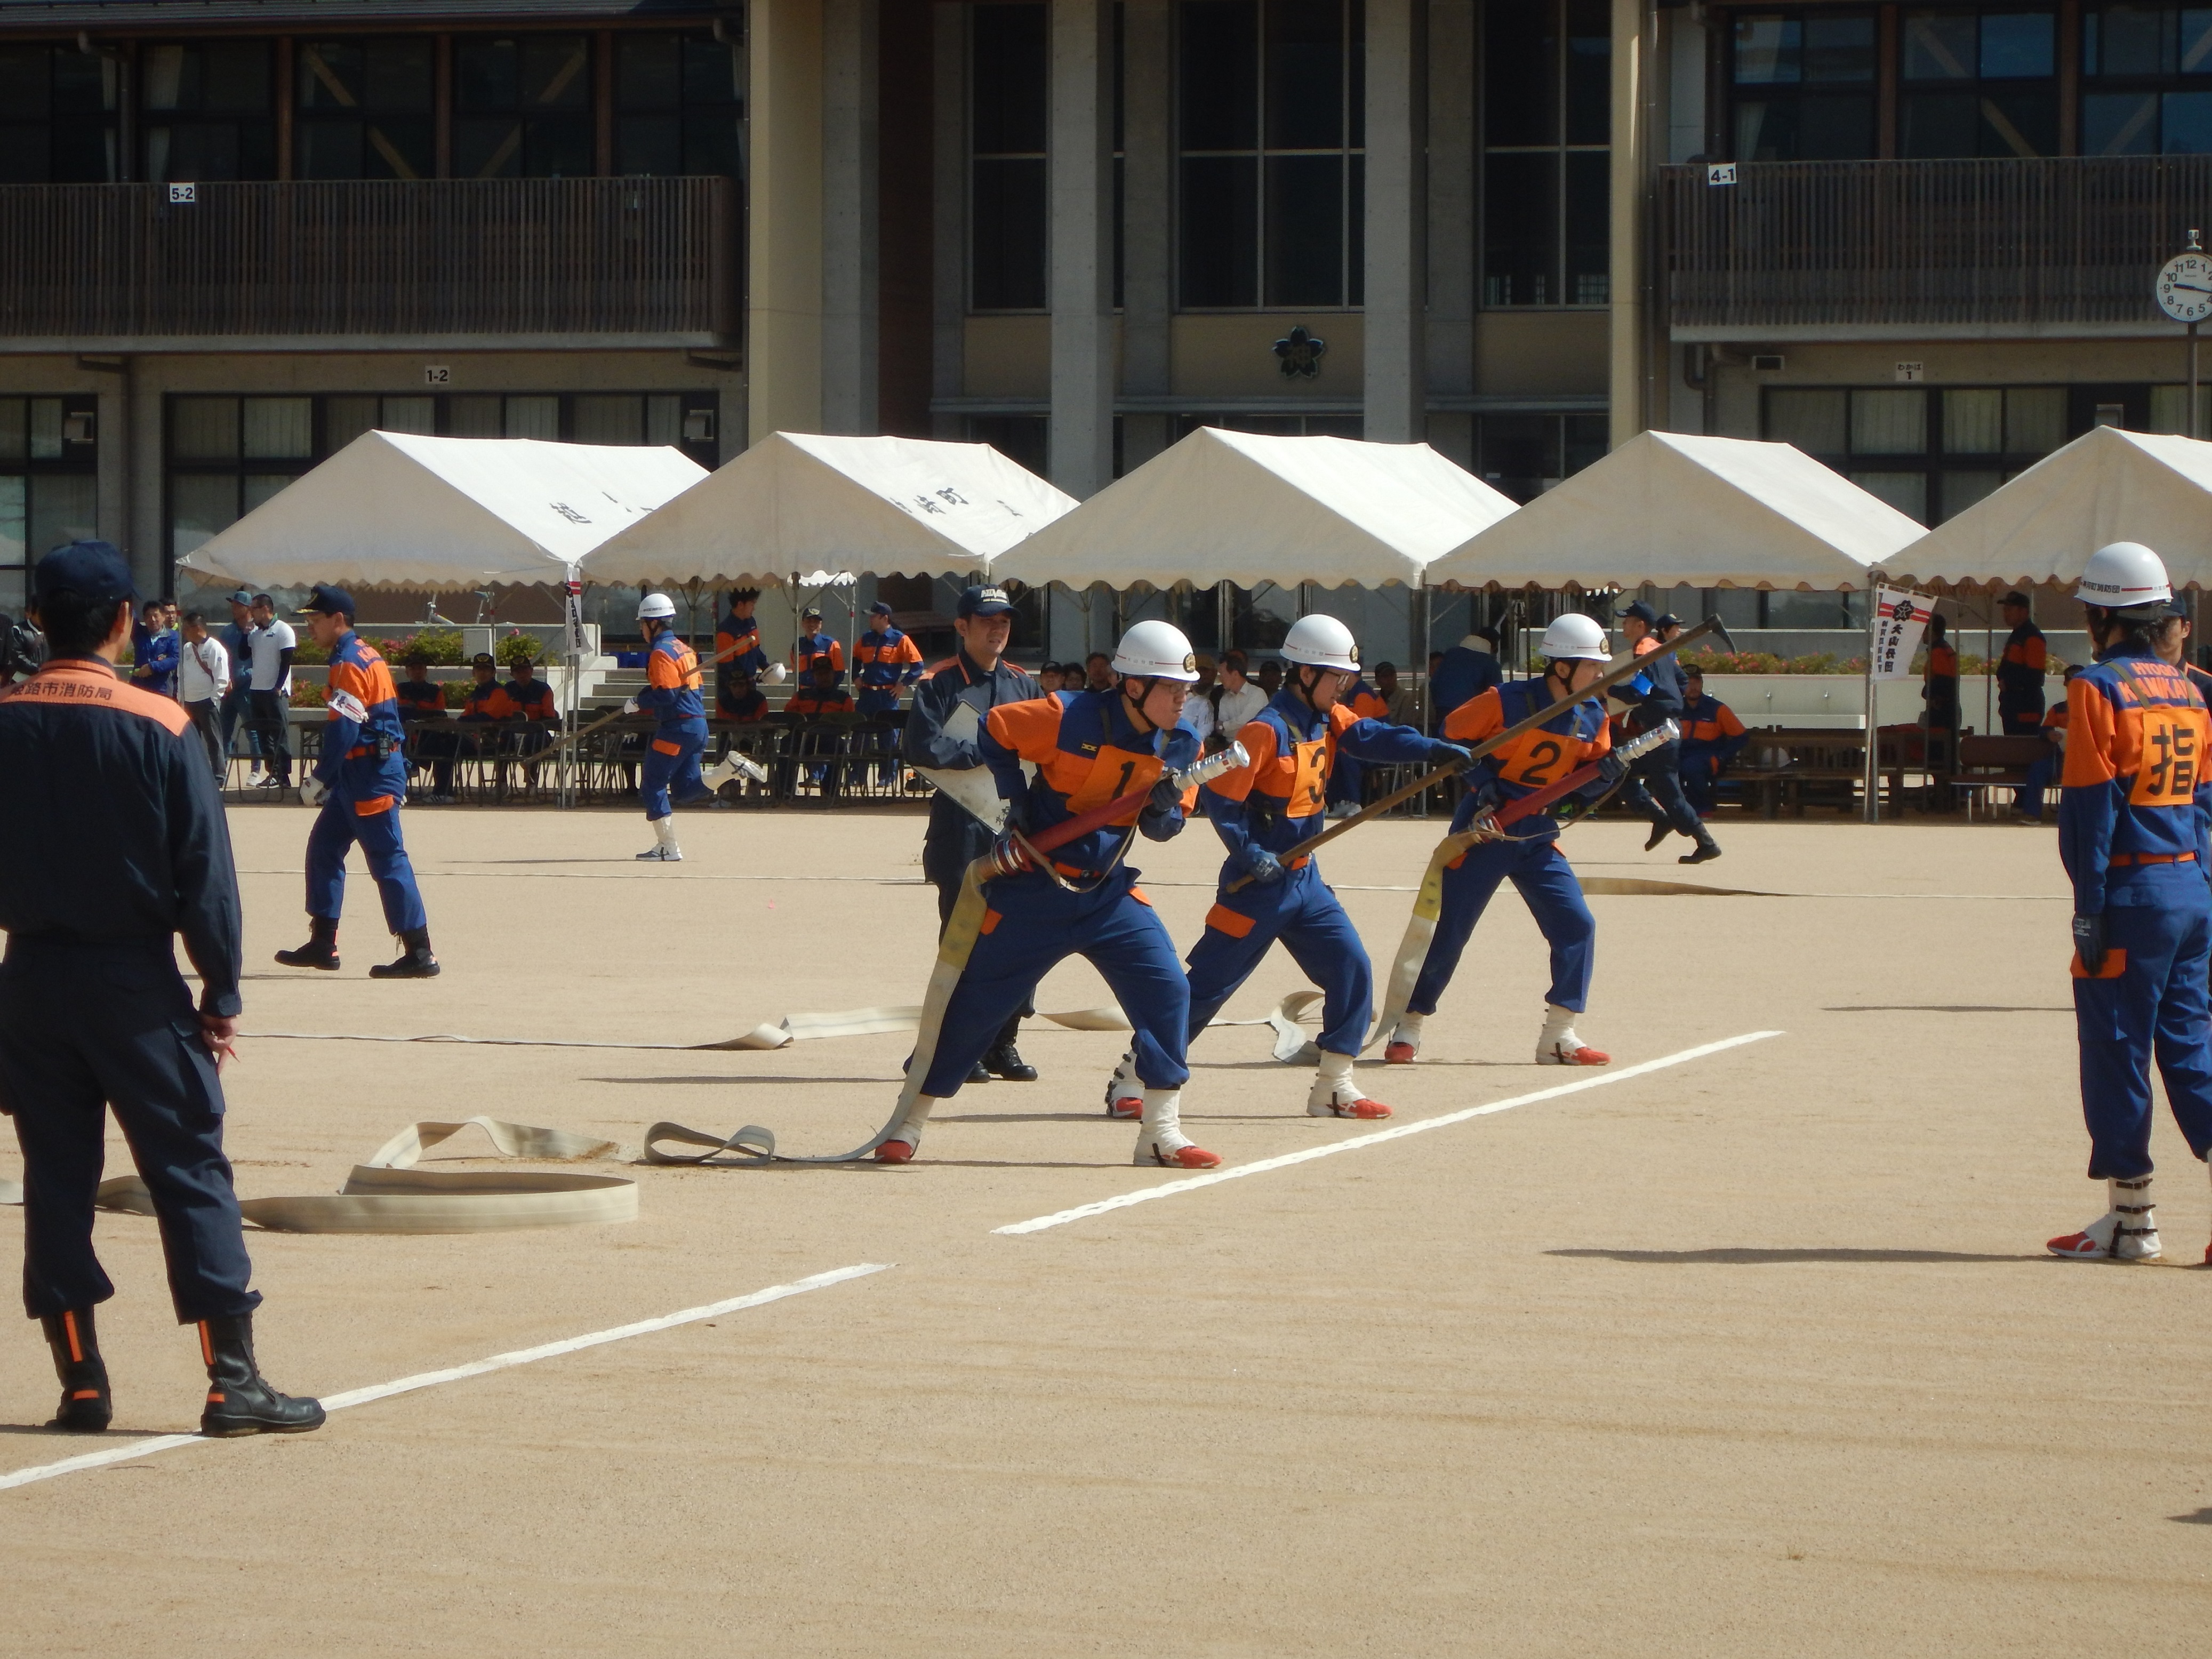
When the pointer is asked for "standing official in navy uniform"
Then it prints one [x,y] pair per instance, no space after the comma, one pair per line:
[978,678]
[113,842]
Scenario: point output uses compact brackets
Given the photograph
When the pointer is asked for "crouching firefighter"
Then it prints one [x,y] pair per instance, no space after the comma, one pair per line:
[360,780]
[1090,748]
[2133,806]
[1527,853]
[1265,811]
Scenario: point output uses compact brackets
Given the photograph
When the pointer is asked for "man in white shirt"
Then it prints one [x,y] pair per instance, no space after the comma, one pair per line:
[1240,700]
[1198,712]
[269,647]
[202,677]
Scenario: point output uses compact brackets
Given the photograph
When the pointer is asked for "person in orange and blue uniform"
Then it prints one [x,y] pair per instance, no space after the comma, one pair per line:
[1347,778]
[814,646]
[1939,692]
[742,700]
[422,716]
[2134,804]
[1090,748]
[820,693]
[737,653]
[534,705]
[2021,670]
[360,780]
[884,662]
[1712,736]
[1267,811]
[1529,853]
[669,775]
[486,702]
[2047,768]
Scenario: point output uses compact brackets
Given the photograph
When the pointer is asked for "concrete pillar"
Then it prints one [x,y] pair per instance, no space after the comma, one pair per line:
[783,242]
[1631,183]
[1147,221]
[1080,285]
[850,258]
[1453,143]
[148,535]
[949,246]
[1397,216]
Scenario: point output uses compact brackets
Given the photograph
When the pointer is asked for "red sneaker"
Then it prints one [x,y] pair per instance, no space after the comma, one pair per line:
[1399,1054]
[1182,1158]
[894,1151]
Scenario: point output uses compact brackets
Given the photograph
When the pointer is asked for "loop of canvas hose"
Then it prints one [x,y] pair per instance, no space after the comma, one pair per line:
[388,1194]
[1420,930]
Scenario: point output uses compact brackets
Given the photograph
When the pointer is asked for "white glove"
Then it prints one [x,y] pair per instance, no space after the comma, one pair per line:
[311,790]
[629,706]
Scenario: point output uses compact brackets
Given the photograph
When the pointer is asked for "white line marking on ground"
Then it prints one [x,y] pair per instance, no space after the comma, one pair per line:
[1169,1189]
[499,1362]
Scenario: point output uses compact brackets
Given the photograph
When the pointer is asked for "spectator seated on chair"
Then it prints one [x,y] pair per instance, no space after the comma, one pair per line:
[820,693]
[737,698]
[1712,736]
[421,713]
[534,704]
[487,711]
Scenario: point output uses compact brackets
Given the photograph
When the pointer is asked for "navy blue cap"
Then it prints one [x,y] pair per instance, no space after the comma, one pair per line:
[241,596]
[1671,620]
[96,570]
[984,602]
[880,608]
[1643,613]
[328,601]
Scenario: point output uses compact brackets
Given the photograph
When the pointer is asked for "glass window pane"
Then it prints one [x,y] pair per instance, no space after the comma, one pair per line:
[1518,454]
[398,74]
[2022,123]
[712,141]
[487,150]
[1940,124]
[257,487]
[555,71]
[13,496]
[65,507]
[1815,419]
[45,429]
[15,431]
[1768,49]
[1889,423]
[199,506]
[534,417]
[1306,230]
[279,427]
[1589,72]
[1011,79]
[24,82]
[1805,609]
[1589,193]
[234,76]
[664,418]
[485,73]
[329,74]
[346,419]
[1219,88]
[2132,39]
[328,149]
[602,419]
[1939,45]
[2186,129]
[400,147]
[1008,222]
[649,144]
[1765,129]
[473,417]
[1519,98]
[1521,229]
[1839,49]
[2019,45]
[2197,40]
[204,428]
[557,147]
[2169,409]
[712,72]
[1960,490]
[1905,491]
[2035,419]
[648,72]
[1305,73]
[1835,129]
[1220,228]
[2119,123]
[1973,423]
[410,415]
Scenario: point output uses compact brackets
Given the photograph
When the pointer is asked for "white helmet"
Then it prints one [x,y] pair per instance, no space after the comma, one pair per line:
[655,604]
[1156,650]
[1574,636]
[1321,642]
[2123,575]
[775,674]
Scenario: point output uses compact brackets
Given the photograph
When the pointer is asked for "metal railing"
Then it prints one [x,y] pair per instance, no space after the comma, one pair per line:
[443,257]
[2029,243]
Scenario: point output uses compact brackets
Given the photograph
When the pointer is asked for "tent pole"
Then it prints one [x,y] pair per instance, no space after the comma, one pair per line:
[572,615]
[1873,714]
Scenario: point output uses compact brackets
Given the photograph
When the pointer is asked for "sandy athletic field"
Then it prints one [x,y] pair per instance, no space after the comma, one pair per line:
[1755,1354]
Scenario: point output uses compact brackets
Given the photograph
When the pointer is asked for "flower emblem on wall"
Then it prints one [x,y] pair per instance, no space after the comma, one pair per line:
[1300,354]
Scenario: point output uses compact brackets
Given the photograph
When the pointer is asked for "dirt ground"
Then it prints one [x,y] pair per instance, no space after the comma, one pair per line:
[1755,1354]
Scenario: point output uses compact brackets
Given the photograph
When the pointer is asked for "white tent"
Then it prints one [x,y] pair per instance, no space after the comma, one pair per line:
[1667,507]
[398,510]
[1239,508]
[797,500]
[2106,486]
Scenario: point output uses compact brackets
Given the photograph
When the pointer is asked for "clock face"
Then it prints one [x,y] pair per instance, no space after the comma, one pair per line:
[2185,288]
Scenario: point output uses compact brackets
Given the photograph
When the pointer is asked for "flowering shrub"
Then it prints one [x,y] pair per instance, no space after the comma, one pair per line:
[309,694]
[441,645]
[515,647]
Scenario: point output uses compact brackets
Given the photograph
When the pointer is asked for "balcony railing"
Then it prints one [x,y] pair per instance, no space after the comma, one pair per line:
[444,258]
[1991,246]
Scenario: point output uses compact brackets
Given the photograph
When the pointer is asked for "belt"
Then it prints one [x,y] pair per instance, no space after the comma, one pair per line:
[1074,873]
[2122,861]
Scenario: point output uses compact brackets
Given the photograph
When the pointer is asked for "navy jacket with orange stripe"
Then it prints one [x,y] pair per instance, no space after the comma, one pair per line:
[114,833]
[1087,752]
[672,682]
[533,699]
[1576,736]
[2134,786]
[1280,797]
[350,766]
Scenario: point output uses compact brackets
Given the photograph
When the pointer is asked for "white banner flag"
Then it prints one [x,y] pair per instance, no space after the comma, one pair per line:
[577,638]
[1900,618]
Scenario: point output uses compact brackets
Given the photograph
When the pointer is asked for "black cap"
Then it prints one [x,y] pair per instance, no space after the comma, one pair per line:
[483,659]
[879,608]
[983,602]
[97,570]
[328,601]
[2017,597]
[1643,613]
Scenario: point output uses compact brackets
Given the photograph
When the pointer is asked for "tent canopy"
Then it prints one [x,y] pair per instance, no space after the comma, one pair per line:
[797,500]
[2106,486]
[398,510]
[1667,507]
[1241,508]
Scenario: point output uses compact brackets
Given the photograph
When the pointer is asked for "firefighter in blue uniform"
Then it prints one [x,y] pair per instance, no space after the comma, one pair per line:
[1712,736]
[360,780]
[112,843]
[1654,790]
[1265,811]
[737,656]
[671,772]
[1528,854]
[2134,802]
[1089,748]
[976,678]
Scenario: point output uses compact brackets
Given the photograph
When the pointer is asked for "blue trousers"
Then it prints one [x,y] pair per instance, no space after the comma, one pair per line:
[2151,1001]
[1032,926]
[1547,881]
[337,827]
[86,1027]
[1700,764]
[672,758]
[1301,911]
[2042,775]
[1654,791]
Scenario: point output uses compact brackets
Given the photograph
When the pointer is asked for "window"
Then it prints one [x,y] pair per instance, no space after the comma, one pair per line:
[56,116]
[1009,81]
[364,108]
[1547,120]
[2146,80]
[1524,455]
[680,107]
[1979,83]
[49,483]
[209,110]
[1804,84]
[1930,454]
[522,107]
[1271,103]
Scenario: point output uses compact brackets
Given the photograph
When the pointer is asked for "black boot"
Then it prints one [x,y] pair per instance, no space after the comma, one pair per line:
[321,950]
[240,1400]
[416,961]
[1707,848]
[1004,1061]
[1660,831]
[979,1073]
[85,1407]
